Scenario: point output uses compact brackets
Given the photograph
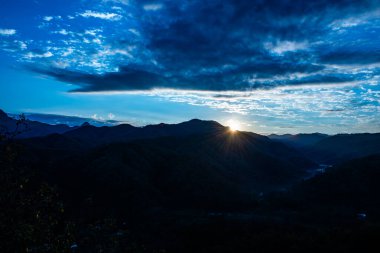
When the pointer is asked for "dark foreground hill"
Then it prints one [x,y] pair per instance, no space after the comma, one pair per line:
[211,170]
[352,187]
[338,211]
[164,194]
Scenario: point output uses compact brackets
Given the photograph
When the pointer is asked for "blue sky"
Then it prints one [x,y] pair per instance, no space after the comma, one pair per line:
[276,66]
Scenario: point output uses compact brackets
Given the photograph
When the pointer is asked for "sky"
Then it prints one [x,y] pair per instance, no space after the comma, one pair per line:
[275,66]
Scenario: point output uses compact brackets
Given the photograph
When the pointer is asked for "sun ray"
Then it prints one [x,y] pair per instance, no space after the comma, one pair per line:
[234,125]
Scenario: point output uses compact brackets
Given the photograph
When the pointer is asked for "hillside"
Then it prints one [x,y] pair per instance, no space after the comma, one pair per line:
[204,170]
[189,187]
[343,147]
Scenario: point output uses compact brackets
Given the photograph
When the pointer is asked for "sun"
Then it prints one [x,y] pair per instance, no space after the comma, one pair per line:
[234,125]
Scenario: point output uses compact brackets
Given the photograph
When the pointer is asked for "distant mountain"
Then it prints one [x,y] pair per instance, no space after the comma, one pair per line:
[325,149]
[299,140]
[28,128]
[343,147]
[93,136]
[54,119]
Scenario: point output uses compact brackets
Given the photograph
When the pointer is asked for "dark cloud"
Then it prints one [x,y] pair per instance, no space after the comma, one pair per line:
[223,45]
[239,78]
[125,79]
[352,57]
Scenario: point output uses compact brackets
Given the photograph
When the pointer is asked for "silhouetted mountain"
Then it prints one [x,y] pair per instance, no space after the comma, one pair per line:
[202,164]
[29,128]
[94,136]
[85,124]
[343,147]
[3,115]
[188,187]
[298,140]
[334,149]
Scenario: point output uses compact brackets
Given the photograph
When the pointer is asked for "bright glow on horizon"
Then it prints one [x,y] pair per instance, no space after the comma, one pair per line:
[234,125]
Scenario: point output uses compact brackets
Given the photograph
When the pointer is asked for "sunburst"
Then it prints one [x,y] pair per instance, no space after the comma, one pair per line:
[234,125]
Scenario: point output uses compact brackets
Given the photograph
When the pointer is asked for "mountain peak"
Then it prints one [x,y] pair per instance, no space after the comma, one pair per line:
[85,124]
[202,122]
[3,115]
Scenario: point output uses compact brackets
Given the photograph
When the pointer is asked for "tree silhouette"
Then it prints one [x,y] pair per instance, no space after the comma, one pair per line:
[31,214]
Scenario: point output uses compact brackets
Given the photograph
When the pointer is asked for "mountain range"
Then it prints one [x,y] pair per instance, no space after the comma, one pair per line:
[28,128]
[299,140]
[174,185]
[320,148]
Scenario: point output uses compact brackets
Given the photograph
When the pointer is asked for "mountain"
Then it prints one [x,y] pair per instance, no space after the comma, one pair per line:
[28,128]
[348,189]
[94,136]
[325,149]
[298,140]
[343,147]
[189,187]
[195,164]
[54,119]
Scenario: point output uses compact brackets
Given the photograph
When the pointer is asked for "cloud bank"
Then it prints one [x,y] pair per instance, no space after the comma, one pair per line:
[208,45]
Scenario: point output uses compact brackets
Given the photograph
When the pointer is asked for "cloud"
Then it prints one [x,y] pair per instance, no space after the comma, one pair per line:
[327,108]
[48,18]
[152,7]
[32,55]
[13,46]
[7,32]
[111,116]
[215,45]
[351,56]
[70,120]
[137,79]
[93,32]
[124,2]
[96,117]
[280,63]
[285,46]
[22,45]
[101,15]
[332,108]
[62,32]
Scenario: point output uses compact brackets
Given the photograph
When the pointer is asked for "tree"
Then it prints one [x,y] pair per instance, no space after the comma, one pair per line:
[31,214]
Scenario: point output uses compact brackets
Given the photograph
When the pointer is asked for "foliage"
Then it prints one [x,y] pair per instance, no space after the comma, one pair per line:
[32,215]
